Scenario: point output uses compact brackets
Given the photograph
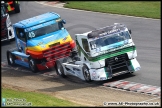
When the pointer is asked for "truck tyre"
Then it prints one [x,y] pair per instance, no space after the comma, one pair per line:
[10,58]
[17,8]
[59,69]
[32,65]
[86,73]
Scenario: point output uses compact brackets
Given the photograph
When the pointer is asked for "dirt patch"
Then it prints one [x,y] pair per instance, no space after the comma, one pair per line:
[70,89]
[55,94]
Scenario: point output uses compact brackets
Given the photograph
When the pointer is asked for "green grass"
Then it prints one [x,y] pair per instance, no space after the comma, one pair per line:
[37,99]
[147,9]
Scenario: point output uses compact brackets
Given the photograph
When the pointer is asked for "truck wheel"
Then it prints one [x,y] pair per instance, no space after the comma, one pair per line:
[10,58]
[17,8]
[86,73]
[59,69]
[32,65]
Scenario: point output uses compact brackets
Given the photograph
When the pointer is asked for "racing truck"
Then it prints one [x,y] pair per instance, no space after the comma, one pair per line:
[13,6]
[7,32]
[101,54]
[40,41]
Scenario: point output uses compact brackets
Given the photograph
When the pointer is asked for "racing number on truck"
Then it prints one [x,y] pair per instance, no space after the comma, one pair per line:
[31,34]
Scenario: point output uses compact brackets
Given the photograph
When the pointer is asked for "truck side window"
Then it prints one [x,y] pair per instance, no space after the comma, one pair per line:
[21,34]
[85,45]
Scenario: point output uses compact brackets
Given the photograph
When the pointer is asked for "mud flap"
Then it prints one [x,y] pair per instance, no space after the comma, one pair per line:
[134,65]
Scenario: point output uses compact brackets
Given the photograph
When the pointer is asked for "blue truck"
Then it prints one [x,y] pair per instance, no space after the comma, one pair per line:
[40,41]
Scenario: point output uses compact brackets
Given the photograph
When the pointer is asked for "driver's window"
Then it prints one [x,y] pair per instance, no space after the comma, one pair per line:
[85,45]
[21,34]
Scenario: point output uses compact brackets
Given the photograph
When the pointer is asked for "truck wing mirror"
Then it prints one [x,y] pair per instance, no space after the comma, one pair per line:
[64,21]
[130,31]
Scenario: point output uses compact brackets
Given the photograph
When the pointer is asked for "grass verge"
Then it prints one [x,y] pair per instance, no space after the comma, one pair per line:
[33,98]
[148,9]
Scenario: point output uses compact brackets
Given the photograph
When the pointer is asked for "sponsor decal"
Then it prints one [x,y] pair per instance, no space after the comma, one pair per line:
[43,46]
[39,26]
[94,75]
[75,69]
[72,72]
[39,43]
[65,39]
[109,32]
[102,78]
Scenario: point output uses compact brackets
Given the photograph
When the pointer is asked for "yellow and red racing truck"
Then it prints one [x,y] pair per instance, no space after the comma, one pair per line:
[40,40]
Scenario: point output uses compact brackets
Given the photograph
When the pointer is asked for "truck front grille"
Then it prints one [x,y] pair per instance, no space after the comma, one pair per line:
[57,51]
[4,32]
[117,63]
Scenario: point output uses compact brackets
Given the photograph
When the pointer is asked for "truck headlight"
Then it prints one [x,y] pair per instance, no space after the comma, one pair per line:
[8,21]
[138,68]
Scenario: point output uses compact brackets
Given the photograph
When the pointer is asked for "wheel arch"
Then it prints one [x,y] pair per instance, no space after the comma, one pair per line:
[88,65]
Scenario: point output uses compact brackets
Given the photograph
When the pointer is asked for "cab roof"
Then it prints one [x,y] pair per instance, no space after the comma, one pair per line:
[116,27]
[37,19]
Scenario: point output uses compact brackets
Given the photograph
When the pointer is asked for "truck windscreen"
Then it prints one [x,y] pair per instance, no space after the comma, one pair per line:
[108,40]
[44,30]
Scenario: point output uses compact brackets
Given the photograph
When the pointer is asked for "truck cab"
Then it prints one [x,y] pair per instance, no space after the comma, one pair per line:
[110,49]
[7,32]
[103,53]
[40,40]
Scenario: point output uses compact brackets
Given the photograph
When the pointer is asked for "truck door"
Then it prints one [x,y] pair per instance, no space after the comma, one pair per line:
[21,39]
[86,49]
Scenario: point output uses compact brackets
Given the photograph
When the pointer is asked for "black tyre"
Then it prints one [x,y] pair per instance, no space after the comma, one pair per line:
[59,69]
[17,8]
[10,58]
[32,65]
[86,73]
[13,39]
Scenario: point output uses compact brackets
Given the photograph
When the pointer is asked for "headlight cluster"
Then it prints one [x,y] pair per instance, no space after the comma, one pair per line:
[138,68]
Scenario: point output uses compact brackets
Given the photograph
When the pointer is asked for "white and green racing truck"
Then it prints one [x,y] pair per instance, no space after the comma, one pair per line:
[102,54]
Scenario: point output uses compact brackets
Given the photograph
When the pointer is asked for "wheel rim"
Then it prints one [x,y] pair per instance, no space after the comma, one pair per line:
[31,63]
[86,74]
[59,69]
[10,58]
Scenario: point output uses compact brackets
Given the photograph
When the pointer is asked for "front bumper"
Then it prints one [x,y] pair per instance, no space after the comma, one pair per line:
[103,74]
[46,65]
